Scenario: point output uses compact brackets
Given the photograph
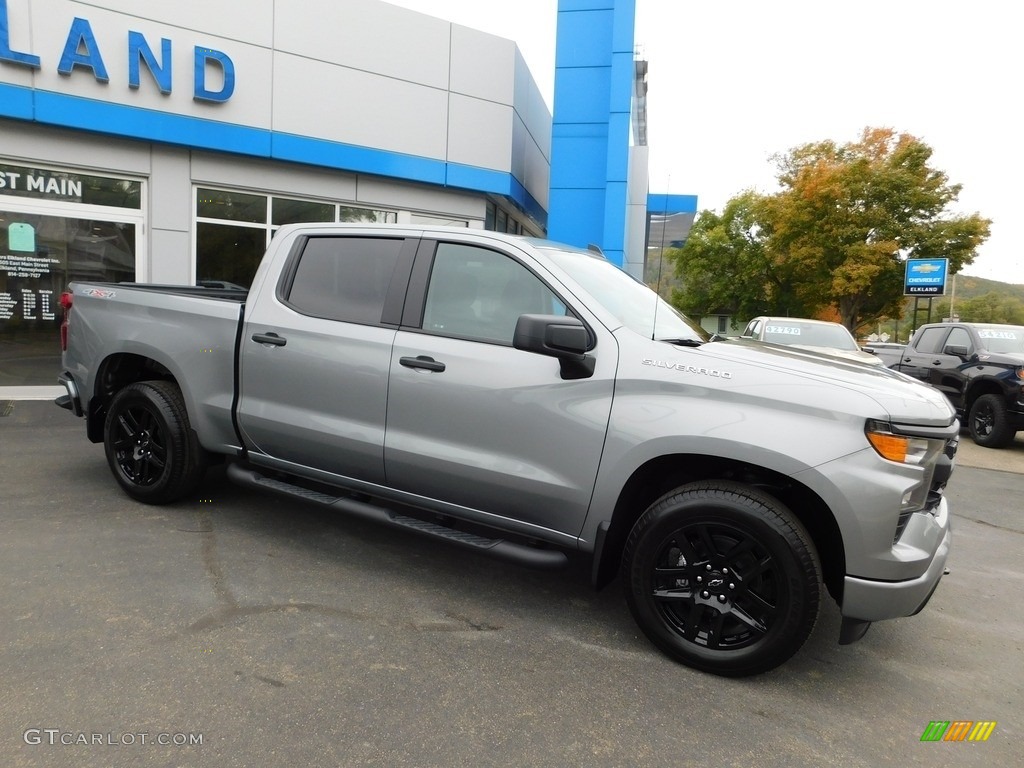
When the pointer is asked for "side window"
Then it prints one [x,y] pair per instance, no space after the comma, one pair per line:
[344,278]
[961,338]
[752,328]
[931,340]
[479,294]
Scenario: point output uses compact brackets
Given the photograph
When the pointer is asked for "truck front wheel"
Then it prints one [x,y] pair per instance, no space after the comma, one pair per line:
[150,446]
[722,578]
[989,422]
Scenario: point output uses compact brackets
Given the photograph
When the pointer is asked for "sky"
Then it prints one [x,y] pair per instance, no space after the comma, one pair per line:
[733,82]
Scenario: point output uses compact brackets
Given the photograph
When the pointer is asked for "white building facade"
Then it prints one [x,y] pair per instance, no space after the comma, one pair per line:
[165,142]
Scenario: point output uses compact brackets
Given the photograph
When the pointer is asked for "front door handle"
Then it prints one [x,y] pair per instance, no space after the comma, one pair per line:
[422,362]
[269,338]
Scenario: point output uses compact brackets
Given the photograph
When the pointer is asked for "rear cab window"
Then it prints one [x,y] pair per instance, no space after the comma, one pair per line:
[342,278]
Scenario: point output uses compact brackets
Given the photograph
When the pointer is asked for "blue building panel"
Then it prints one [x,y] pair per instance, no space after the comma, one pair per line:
[624,27]
[481,179]
[623,75]
[132,122]
[590,162]
[594,78]
[587,42]
[617,161]
[616,197]
[586,5]
[579,229]
[662,203]
[16,102]
[582,95]
[330,154]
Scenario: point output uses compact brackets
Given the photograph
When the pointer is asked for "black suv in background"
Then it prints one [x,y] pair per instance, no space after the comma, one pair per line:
[980,368]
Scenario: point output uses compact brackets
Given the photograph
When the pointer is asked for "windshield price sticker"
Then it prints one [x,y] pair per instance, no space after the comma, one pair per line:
[987,334]
[783,329]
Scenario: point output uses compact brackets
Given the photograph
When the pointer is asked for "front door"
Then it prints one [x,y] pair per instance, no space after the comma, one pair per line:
[476,423]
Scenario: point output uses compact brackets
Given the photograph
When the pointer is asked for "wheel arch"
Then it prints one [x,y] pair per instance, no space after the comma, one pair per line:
[115,373]
[979,387]
[658,476]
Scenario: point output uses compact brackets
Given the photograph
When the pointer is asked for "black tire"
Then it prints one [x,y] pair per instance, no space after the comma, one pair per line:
[150,446]
[722,578]
[989,422]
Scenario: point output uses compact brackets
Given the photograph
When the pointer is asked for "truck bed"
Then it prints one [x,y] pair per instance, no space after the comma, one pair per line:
[190,331]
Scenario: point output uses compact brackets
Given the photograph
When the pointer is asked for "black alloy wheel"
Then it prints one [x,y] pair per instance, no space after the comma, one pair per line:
[149,444]
[989,422]
[722,578]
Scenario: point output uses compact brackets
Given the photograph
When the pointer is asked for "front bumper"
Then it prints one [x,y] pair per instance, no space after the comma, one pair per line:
[868,600]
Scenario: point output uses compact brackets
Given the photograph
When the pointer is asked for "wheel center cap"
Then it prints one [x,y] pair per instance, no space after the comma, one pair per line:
[141,447]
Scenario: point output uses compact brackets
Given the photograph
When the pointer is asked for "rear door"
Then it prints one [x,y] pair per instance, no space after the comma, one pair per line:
[476,423]
[315,354]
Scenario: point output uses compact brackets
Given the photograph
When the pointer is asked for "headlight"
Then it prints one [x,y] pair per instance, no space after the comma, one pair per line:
[904,449]
[914,450]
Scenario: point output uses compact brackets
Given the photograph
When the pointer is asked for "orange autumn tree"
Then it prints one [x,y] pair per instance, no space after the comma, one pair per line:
[840,229]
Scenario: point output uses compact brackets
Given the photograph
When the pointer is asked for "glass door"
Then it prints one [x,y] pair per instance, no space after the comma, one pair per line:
[40,254]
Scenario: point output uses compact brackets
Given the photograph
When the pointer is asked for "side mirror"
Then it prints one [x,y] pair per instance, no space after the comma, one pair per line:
[958,350]
[558,336]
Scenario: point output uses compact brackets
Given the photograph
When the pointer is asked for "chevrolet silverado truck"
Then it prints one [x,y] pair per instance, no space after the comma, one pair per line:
[979,367]
[528,400]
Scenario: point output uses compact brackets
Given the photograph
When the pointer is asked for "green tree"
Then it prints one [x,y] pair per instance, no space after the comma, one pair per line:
[990,307]
[835,237]
[725,265]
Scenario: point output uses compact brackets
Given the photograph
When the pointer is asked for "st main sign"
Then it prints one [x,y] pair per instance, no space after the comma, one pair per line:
[926,277]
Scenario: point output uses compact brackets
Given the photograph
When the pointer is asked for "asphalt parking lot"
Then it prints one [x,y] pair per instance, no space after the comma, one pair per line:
[282,635]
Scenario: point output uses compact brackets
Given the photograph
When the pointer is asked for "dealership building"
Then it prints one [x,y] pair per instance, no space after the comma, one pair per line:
[166,142]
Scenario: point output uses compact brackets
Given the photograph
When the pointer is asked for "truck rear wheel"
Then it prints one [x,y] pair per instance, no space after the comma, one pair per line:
[722,578]
[989,422]
[150,446]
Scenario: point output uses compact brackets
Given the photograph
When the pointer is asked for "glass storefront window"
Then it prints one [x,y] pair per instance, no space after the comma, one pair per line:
[300,211]
[231,253]
[228,254]
[39,256]
[368,215]
[231,206]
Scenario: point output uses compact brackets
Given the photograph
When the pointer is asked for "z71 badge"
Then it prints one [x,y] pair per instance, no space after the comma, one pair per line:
[99,293]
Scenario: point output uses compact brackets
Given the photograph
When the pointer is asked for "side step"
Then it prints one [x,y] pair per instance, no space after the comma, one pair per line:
[499,548]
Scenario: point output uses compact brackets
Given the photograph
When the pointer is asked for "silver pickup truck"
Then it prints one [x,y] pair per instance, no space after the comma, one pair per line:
[525,399]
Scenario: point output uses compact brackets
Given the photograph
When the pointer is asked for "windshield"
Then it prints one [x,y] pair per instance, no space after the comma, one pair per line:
[809,334]
[1004,340]
[631,302]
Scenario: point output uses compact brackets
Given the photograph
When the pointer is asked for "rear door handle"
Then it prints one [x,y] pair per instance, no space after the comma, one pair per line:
[269,338]
[422,362]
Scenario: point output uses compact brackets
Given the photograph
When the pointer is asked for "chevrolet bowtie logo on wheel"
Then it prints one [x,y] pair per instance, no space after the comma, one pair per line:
[958,730]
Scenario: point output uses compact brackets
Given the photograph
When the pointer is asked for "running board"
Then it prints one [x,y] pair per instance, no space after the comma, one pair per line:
[499,548]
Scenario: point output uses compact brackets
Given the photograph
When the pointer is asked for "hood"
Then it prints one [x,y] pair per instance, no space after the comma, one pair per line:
[903,398]
[846,354]
[1005,358]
